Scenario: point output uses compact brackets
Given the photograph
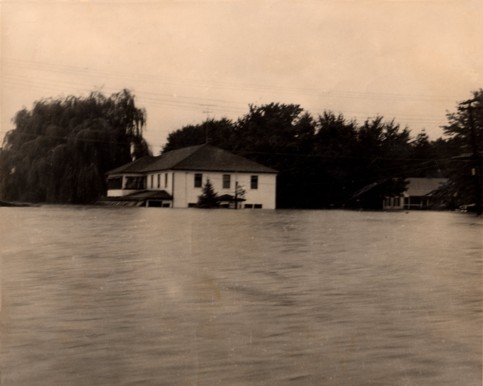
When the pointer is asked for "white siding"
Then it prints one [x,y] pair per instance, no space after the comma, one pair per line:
[120,192]
[265,194]
[180,185]
[186,193]
[124,192]
[178,189]
[165,181]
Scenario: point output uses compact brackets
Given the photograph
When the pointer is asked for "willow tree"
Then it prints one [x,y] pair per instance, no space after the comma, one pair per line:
[60,150]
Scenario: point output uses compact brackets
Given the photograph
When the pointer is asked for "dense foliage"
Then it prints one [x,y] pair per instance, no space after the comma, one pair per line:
[465,145]
[61,149]
[323,162]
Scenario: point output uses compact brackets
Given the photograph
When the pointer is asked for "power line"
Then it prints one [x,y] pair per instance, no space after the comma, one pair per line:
[193,103]
[198,103]
[214,83]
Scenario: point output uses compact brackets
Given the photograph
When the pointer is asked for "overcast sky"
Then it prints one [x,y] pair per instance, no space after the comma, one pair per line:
[189,60]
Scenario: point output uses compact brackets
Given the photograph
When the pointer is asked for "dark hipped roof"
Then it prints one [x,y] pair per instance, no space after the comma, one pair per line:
[133,167]
[197,158]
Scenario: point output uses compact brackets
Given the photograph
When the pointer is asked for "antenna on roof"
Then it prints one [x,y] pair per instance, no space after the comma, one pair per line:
[207,111]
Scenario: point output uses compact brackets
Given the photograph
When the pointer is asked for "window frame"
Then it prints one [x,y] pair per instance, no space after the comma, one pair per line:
[198,180]
[254,182]
[226,181]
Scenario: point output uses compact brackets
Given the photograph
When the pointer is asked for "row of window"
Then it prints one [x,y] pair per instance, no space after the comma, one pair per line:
[158,180]
[246,206]
[135,183]
[392,201]
[226,181]
[139,182]
[158,204]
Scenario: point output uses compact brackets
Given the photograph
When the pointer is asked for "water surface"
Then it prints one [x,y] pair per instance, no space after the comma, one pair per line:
[137,296]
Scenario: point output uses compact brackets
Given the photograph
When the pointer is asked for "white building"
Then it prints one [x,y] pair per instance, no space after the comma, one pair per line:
[175,179]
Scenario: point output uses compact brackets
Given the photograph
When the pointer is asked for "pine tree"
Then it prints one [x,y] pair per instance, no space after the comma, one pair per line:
[208,198]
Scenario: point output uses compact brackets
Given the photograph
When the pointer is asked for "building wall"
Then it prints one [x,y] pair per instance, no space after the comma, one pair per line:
[404,202]
[164,179]
[391,203]
[120,192]
[186,193]
[181,185]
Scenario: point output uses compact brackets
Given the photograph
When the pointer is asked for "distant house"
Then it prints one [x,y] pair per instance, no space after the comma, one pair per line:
[175,179]
[418,194]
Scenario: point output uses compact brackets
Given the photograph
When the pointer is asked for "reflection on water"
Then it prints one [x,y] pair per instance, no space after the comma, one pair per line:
[108,296]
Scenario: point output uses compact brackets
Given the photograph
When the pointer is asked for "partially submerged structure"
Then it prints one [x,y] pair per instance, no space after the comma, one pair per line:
[418,194]
[175,180]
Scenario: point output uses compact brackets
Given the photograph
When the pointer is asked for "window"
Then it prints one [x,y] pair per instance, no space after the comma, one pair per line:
[165,180]
[198,180]
[114,183]
[226,181]
[253,206]
[159,181]
[154,203]
[135,183]
[254,182]
[152,181]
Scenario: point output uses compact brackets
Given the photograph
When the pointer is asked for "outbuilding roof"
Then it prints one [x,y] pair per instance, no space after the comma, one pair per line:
[418,187]
[196,158]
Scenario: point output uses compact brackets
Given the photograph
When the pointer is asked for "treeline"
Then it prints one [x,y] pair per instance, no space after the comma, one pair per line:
[329,161]
[60,150]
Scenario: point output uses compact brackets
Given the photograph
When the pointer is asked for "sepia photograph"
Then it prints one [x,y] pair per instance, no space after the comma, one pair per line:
[241,193]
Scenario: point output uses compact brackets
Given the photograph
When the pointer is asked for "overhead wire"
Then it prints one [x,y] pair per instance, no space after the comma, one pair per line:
[196,103]
[214,83]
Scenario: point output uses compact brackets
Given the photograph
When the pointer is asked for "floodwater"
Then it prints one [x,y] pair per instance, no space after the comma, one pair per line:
[138,296]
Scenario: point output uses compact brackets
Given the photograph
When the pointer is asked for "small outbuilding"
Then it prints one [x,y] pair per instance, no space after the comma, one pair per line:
[418,194]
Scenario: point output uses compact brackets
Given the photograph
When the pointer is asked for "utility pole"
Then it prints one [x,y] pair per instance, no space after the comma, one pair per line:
[236,194]
[475,156]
